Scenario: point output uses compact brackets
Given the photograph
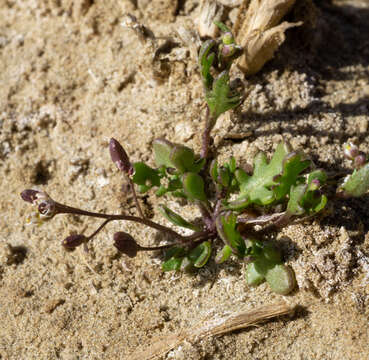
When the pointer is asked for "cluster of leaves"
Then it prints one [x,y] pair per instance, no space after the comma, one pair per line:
[238,207]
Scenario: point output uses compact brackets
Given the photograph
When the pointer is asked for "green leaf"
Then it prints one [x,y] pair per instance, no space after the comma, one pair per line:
[224,176]
[305,198]
[224,254]
[193,186]
[356,184]
[172,264]
[176,219]
[173,258]
[281,279]
[221,99]
[226,228]
[296,194]
[253,277]
[270,182]
[145,176]
[182,158]
[222,26]
[200,254]
[206,59]
[214,170]
[162,149]
[293,165]
[232,165]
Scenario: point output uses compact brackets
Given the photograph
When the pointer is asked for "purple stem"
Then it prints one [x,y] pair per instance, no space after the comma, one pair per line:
[64,209]
[209,124]
[135,197]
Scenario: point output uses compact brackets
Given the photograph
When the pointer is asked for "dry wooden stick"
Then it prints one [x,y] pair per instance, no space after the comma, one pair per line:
[217,326]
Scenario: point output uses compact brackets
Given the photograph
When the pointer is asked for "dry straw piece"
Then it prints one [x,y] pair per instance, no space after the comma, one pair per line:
[259,31]
[210,11]
[217,326]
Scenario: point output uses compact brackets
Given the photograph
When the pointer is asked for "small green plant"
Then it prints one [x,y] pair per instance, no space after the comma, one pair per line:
[238,208]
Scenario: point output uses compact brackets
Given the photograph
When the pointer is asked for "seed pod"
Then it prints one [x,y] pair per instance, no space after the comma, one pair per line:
[126,244]
[73,241]
[120,157]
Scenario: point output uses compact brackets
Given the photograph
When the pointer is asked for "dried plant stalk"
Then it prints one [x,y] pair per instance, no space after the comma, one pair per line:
[217,326]
[210,11]
[259,32]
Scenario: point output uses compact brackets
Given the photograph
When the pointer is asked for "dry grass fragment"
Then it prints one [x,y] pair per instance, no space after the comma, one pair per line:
[259,31]
[217,326]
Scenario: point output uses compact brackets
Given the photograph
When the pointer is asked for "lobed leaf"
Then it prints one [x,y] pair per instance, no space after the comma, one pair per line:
[220,98]
[270,182]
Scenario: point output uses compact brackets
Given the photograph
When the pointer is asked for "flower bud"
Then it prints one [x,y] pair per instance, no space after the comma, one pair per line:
[228,38]
[350,151]
[47,208]
[72,241]
[126,244]
[120,157]
[29,195]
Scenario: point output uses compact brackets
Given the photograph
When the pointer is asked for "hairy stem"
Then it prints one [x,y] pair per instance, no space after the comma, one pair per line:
[209,124]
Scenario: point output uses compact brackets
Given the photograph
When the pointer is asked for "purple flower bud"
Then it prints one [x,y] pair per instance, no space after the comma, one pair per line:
[120,157]
[29,195]
[72,241]
[126,244]
[227,50]
[350,151]
[359,160]
[316,182]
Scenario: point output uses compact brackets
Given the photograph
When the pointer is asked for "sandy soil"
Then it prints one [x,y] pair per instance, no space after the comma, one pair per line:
[71,77]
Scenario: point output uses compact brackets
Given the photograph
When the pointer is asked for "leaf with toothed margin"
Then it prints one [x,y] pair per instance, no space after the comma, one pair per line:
[356,184]
[221,98]
[270,182]
[226,228]
[176,219]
